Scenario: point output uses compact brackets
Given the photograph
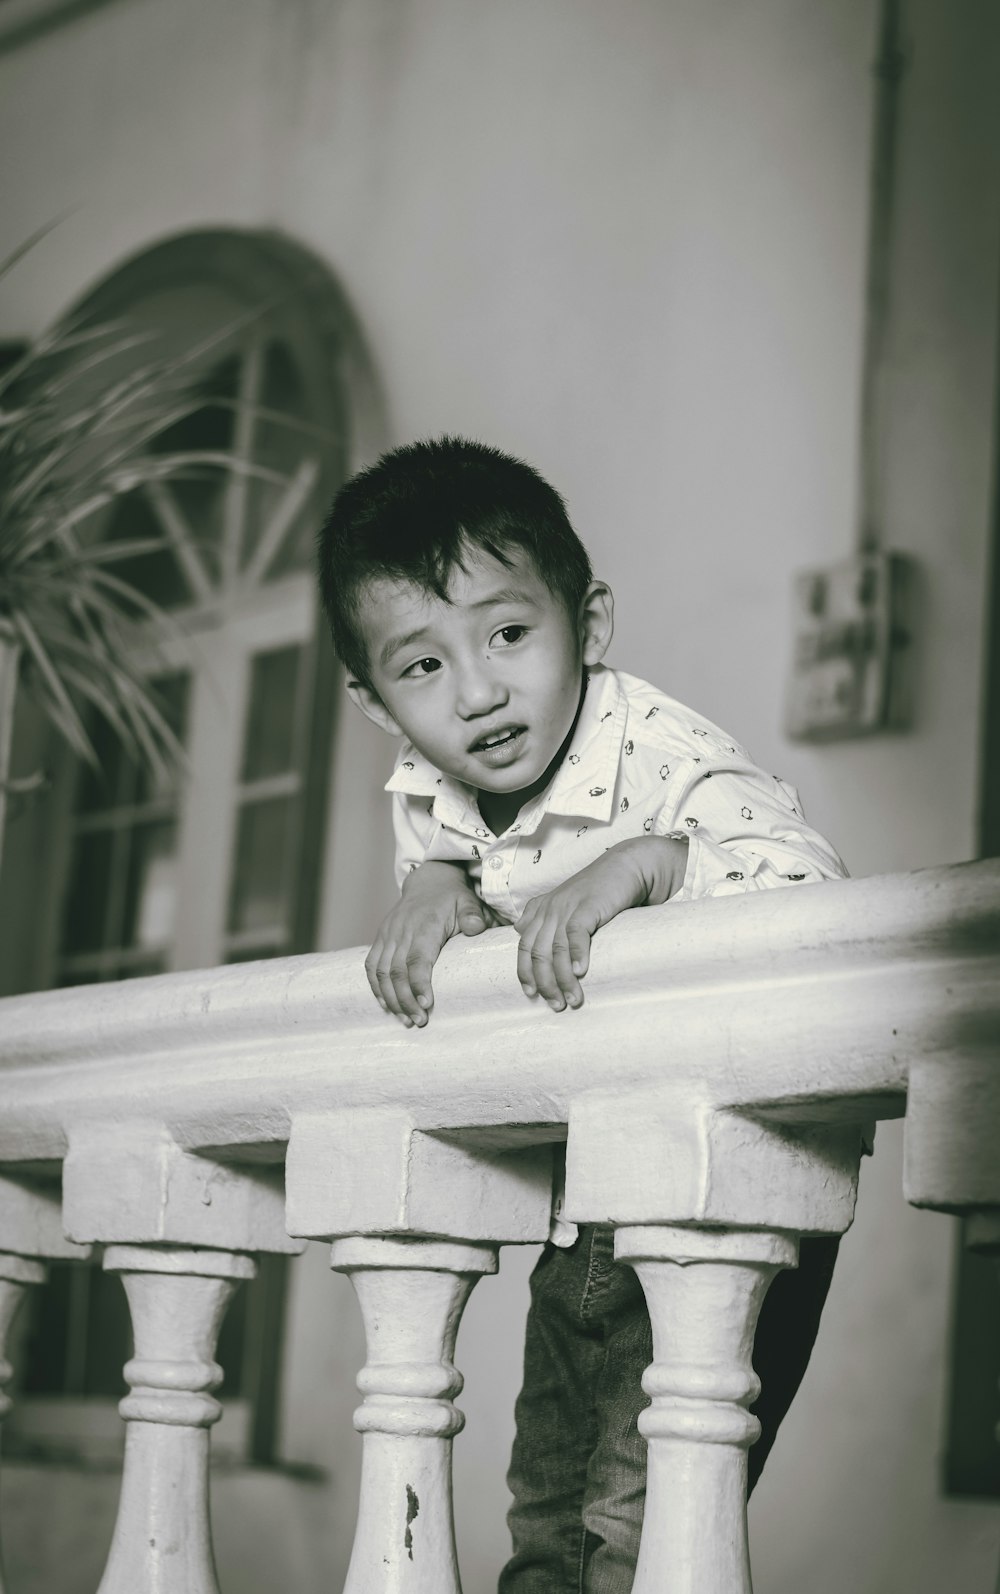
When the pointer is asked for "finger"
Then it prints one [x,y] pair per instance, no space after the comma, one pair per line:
[578,937]
[542,969]
[419,968]
[471,921]
[562,970]
[371,971]
[525,971]
[399,978]
[390,999]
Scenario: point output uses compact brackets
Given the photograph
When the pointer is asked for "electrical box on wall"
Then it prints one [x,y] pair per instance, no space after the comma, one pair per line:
[853,661]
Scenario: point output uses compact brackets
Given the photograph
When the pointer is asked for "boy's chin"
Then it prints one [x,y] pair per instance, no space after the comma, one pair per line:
[515,781]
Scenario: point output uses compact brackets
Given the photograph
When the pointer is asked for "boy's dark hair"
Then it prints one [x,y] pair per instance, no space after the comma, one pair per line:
[411,515]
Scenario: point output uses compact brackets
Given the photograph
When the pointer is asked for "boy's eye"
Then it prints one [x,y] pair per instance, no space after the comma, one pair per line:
[508,635]
[422,667]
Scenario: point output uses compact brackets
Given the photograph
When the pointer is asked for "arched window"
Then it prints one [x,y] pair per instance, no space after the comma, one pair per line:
[222,865]
[222,862]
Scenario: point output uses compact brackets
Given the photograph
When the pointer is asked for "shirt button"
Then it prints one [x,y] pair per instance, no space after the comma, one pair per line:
[496,863]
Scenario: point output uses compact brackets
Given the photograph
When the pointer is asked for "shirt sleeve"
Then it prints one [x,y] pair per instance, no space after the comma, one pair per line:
[746,832]
[414,830]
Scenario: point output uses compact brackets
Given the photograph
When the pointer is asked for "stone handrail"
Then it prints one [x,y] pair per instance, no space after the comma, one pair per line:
[710,1090]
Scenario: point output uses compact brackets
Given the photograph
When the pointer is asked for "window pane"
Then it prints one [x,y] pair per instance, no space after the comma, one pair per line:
[210,425]
[113,783]
[119,781]
[134,969]
[199,490]
[156,575]
[280,446]
[258,896]
[232,1339]
[151,886]
[89,888]
[79,1335]
[268,745]
[172,694]
[200,496]
[78,977]
[48,1333]
[255,954]
[108,1344]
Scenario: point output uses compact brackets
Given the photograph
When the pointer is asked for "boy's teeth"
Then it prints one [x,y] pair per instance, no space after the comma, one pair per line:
[494,741]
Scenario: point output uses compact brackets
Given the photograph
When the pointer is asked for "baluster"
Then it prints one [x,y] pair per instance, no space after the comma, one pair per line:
[178,1227]
[415,1220]
[177,1299]
[17,1273]
[704,1291]
[412,1293]
[708,1204]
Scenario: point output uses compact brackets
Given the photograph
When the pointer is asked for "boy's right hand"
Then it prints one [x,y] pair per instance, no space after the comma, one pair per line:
[437,903]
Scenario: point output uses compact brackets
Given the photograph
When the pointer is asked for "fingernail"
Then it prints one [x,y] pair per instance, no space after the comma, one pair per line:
[407,1022]
[577,968]
[425,1001]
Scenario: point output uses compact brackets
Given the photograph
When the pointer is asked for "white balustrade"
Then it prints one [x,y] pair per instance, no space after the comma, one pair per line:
[711,1090]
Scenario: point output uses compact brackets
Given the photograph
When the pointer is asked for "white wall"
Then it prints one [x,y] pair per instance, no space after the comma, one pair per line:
[629,243]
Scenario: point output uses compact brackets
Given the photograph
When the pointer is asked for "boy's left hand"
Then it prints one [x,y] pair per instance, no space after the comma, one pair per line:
[555,930]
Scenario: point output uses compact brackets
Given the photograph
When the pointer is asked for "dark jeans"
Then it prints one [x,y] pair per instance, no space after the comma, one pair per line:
[578,1468]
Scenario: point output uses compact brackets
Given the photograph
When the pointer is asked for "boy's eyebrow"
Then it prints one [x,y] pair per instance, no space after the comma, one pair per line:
[502,595]
[394,644]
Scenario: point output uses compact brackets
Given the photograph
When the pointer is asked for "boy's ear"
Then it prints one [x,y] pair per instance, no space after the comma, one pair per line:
[372,705]
[597,621]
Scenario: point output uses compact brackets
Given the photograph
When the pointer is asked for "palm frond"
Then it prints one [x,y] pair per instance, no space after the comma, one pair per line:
[58,700]
[10,261]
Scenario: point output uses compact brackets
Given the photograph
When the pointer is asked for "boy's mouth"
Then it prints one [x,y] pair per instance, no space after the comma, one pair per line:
[499,746]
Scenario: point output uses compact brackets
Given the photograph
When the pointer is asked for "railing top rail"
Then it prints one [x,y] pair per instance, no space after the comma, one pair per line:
[816,992]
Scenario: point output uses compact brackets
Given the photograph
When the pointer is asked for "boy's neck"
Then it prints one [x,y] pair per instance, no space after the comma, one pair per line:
[500,809]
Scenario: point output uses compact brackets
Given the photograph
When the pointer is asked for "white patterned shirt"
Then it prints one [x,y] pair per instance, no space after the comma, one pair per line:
[639,763]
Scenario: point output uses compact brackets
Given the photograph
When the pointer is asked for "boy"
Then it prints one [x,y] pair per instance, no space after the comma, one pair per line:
[537,788]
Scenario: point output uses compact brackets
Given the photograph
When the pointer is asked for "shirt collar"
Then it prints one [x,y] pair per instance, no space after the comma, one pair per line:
[583,785]
[415,776]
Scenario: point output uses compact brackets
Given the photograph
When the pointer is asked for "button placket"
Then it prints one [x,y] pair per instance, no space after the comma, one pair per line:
[495,879]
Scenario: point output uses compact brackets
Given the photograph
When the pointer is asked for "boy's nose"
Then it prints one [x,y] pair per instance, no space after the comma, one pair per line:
[479,692]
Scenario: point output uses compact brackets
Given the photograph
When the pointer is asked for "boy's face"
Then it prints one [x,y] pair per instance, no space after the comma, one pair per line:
[487,685]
